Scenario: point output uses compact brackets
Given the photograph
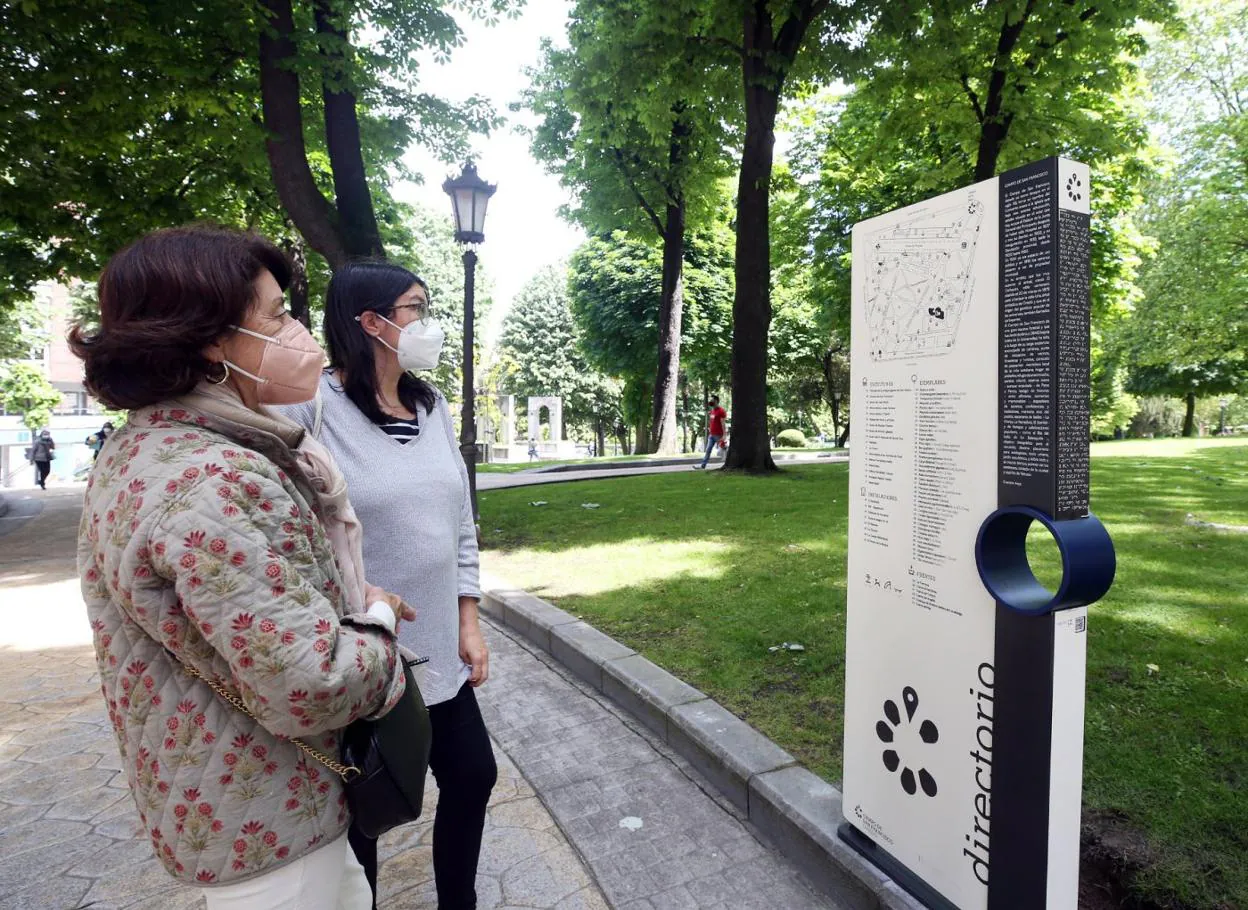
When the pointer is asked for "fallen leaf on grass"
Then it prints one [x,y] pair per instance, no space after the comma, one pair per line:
[540,502]
[589,505]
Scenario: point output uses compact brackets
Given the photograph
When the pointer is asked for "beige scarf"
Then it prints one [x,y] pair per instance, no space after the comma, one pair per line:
[342,527]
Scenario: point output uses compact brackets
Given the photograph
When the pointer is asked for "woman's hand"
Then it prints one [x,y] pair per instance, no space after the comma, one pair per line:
[472,648]
[374,594]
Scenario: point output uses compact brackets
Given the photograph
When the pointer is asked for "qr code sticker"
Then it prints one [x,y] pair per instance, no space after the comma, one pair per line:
[1081,624]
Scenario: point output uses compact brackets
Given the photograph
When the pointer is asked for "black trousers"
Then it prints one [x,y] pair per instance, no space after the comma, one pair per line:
[462,762]
[42,470]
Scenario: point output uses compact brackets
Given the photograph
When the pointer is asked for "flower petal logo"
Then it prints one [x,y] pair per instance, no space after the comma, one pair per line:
[1074,188]
[886,731]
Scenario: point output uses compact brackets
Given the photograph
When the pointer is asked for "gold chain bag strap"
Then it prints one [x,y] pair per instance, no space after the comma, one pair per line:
[343,771]
[385,760]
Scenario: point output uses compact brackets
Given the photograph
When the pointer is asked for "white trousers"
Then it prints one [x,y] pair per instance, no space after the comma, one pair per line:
[329,878]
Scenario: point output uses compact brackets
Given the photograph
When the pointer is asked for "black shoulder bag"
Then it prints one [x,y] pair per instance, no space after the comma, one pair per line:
[384,761]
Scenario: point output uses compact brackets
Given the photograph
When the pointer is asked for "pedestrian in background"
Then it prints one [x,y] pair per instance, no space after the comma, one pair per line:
[390,432]
[42,451]
[714,429]
[96,440]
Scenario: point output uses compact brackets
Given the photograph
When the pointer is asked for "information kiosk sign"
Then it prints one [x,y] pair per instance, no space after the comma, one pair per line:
[964,676]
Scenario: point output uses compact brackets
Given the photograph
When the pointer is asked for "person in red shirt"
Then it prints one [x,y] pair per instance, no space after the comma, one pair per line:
[714,429]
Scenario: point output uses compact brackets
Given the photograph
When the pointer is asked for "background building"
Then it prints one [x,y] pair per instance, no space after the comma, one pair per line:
[74,419]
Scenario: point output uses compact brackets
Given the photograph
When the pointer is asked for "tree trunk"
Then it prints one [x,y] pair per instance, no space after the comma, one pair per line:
[751,307]
[311,213]
[297,252]
[671,303]
[844,438]
[671,307]
[835,381]
[994,125]
[991,141]
[356,218]
[602,440]
[684,426]
[1189,419]
[641,433]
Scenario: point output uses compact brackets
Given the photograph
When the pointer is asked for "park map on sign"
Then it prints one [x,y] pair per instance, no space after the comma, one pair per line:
[920,280]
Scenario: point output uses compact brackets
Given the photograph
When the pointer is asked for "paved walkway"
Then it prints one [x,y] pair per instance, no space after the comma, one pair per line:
[490,480]
[69,833]
[656,834]
[590,813]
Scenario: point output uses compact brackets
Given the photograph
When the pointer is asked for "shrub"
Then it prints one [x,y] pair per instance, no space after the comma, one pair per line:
[791,439]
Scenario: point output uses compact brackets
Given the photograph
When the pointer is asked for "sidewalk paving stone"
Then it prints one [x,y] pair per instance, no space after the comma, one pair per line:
[651,830]
[69,831]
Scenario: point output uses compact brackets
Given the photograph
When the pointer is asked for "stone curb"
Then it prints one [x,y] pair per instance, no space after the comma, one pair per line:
[794,809]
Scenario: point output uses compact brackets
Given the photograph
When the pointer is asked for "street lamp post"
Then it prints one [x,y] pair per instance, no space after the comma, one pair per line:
[470,195]
[1222,417]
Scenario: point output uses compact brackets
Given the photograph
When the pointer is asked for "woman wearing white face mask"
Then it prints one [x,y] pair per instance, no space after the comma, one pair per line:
[391,434]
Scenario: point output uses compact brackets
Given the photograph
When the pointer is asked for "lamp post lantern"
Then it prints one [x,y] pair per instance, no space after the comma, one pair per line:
[470,195]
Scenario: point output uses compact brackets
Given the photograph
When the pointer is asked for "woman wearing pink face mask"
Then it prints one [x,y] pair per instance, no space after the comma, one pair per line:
[207,561]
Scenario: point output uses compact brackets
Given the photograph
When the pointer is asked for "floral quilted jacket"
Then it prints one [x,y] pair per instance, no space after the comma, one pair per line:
[200,546]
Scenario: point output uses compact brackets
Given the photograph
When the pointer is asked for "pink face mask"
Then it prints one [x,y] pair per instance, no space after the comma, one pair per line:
[290,367]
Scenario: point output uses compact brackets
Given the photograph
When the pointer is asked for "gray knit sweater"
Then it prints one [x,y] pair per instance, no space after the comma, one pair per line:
[419,538]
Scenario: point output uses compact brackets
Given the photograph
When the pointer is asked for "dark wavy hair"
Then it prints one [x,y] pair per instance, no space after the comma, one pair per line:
[163,299]
[357,288]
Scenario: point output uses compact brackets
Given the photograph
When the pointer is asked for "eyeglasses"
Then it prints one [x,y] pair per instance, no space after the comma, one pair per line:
[422,309]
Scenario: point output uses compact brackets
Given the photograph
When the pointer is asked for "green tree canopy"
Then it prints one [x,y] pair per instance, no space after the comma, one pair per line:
[1187,336]
[1195,287]
[23,330]
[993,89]
[121,116]
[989,84]
[614,295]
[638,126]
[541,354]
[24,390]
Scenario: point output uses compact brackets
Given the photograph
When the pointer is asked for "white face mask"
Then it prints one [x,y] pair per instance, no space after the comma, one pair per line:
[420,343]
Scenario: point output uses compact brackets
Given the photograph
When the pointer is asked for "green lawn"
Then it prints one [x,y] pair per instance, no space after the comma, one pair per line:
[703,572]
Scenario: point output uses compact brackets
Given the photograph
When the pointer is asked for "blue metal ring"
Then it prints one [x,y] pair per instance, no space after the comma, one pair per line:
[1088,561]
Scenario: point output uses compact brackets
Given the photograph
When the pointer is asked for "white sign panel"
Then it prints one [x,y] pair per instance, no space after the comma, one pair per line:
[919,643]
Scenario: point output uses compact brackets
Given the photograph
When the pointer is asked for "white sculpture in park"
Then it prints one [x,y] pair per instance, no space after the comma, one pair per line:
[554,408]
[538,444]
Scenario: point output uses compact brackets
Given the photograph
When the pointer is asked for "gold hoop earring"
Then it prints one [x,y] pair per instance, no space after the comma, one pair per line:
[225,374]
